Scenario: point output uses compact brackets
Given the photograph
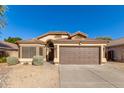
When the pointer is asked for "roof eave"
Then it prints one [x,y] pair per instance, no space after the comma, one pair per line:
[65,33]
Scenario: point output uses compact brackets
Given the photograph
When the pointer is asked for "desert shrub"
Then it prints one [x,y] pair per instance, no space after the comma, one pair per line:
[3,59]
[12,60]
[37,60]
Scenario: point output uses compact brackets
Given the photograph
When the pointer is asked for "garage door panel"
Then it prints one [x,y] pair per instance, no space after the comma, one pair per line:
[79,55]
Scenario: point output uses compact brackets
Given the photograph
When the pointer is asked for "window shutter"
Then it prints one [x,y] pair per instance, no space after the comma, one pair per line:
[28,52]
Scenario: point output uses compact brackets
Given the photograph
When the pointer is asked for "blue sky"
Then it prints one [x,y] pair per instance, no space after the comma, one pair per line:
[31,21]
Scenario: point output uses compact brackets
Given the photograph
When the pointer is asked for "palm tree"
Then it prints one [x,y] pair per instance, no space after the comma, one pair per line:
[2,13]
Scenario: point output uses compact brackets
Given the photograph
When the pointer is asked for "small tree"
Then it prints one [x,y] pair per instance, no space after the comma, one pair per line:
[12,39]
[104,38]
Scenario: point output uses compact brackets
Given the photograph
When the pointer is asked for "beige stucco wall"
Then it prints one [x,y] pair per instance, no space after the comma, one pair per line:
[103,59]
[12,53]
[118,52]
[78,37]
[56,59]
[30,45]
[53,37]
[29,60]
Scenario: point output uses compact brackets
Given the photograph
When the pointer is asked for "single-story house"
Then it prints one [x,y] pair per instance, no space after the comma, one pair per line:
[64,48]
[8,49]
[115,50]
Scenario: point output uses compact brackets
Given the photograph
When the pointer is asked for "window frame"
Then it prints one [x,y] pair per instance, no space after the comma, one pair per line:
[30,51]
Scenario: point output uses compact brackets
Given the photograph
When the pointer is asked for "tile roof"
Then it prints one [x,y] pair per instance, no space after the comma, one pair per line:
[61,32]
[31,41]
[7,45]
[54,33]
[64,41]
[81,33]
[116,42]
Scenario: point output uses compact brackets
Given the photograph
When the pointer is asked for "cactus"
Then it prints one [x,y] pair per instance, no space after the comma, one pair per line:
[12,60]
[37,60]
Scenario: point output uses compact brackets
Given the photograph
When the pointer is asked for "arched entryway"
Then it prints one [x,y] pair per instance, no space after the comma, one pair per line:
[50,51]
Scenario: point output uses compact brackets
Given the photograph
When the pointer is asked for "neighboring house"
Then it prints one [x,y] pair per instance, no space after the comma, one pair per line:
[8,49]
[63,48]
[115,50]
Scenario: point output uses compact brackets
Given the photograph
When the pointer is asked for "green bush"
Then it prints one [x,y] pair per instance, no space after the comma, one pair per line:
[37,60]
[2,59]
[12,60]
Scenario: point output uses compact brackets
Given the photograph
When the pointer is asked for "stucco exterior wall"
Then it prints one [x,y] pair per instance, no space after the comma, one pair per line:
[53,37]
[12,53]
[118,52]
[56,51]
[102,52]
[78,37]
[29,60]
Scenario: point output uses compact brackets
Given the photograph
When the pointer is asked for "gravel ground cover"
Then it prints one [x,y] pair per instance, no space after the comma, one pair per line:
[29,76]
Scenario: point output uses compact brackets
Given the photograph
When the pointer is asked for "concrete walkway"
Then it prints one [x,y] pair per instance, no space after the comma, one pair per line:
[109,75]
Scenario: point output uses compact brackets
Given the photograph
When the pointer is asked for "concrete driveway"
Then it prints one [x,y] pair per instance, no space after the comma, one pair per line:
[109,75]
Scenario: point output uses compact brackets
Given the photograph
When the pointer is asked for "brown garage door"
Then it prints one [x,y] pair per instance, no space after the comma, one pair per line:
[79,55]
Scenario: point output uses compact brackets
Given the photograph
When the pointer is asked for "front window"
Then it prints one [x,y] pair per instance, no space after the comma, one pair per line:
[28,52]
[41,51]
